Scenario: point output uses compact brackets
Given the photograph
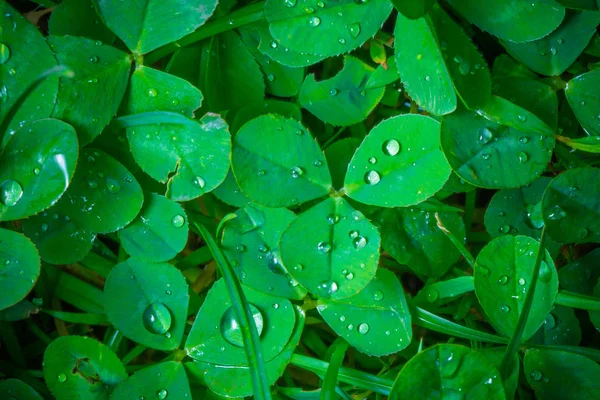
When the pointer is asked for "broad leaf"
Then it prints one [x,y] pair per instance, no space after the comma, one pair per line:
[147,302]
[585,101]
[581,275]
[398,164]
[503,274]
[79,18]
[278,178]
[331,249]
[20,267]
[164,380]
[268,106]
[375,321]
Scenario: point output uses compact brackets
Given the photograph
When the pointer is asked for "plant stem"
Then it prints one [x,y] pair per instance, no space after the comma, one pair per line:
[576,300]
[456,241]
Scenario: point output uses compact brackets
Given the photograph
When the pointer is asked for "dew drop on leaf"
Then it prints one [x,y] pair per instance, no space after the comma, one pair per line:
[10,192]
[240,248]
[44,227]
[391,147]
[314,21]
[372,177]
[536,375]
[296,172]
[263,248]
[432,295]
[350,327]
[502,280]
[523,139]
[152,92]
[333,92]
[274,264]
[359,242]
[556,213]
[582,233]
[486,155]
[230,327]
[162,394]
[353,234]
[363,328]
[378,295]
[270,77]
[178,221]
[4,53]
[349,276]
[309,10]
[372,160]
[113,186]
[341,40]
[354,29]
[332,219]
[199,182]
[324,247]
[485,135]
[12,72]
[545,272]
[157,318]
[94,59]
[289,3]
[62,378]
[522,281]
[505,308]
[523,157]
[320,4]
[261,172]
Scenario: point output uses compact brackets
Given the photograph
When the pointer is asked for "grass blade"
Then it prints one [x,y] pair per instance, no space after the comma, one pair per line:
[328,392]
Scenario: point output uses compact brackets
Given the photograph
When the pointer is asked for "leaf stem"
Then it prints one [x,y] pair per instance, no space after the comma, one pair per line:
[328,391]
[576,300]
[455,241]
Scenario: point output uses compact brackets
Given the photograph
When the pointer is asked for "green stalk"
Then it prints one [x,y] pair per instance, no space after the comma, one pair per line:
[78,318]
[243,16]
[198,257]
[153,118]
[328,391]
[133,353]
[470,200]
[515,340]
[243,314]
[576,300]
[455,241]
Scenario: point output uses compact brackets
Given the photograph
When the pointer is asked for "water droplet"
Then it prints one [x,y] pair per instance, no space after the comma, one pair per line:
[199,182]
[162,394]
[553,51]
[341,40]
[333,219]
[4,53]
[261,172]
[378,295]
[372,177]
[289,3]
[350,327]
[276,306]
[10,192]
[296,172]
[299,267]
[94,59]
[270,77]
[522,118]
[505,308]
[44,227]
[372,160]
[354,29]
[502,280]
[157,318]
[432,295]
[320,4]
[464,68]
[545,272]
[582,103]
[178,221]
[263,248]
[427,78]
[230,327]
[353,234]
[556,213]
[359,242]
[582,233]
[342,318]
[36,171]
[485,135]
[536,375]
[349,276]
[363,328]
[324,247]
[62,378]
[93,80]
[12,72]
[391,147]
[333,92]
[486,155]
[523,157]
[113,186]
[501,213]
[522,281]
[314,21]
[152,92]
[523,139]
[240,248]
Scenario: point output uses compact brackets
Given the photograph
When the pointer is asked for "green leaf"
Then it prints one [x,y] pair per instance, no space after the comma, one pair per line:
[479,150]
[558,375]
[268,106]
[413,9]
[229,192]
[164,380]
[193,158]
[79,18]
[494,355]
[585,101]
[216,337]
[147,302]
[35,173]
[448,371]
[376,321]
[101,76]
[20,267]
[331,249]
[571,206]
[398,164]
[158,233]
[343,99]
[318,28]
[579,4]
[561,327]
[148,24]
[580,275]
[338,157]
[21,39]
[15,389]
[234,381]
[384,74]
[514,20]
[80,367]
[553,54]
[590,144]
[412,237]
[251,243]
[273,177]
[503,274]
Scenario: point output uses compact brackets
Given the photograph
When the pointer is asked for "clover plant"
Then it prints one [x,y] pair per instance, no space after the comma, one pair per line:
[299,199]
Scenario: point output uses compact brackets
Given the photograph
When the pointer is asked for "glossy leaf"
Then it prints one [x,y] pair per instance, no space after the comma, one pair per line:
[229,192]
[251,243]
[561,327]
[580,275]
[503,273]
[343,99]
[553,54]
[571,206]
[585,101]
[79,18]
[148,24]
[167,380]
[446,371]
[158,233]
[81,367]
[376,321]
[33,173]
[20,267]
[19,69]
[268,106]
[511,19]
[101,76]
[274,178]
[557,374]
[412,237]
[192,159]
[147,302]
[331,249]
[303,27]
[390,166]
[338,157]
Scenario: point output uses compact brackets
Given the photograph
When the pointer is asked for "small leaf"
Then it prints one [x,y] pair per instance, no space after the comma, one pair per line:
[158,233]
[571,206]
[584,100]
[343,99]
[147,302]
[273,177]
[19,267]
[398,164]
[503,274]
[331,249]
[161,381]
[376,321]
[81,366]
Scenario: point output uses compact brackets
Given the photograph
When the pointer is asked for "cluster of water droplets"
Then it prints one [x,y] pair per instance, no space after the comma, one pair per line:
[390,148]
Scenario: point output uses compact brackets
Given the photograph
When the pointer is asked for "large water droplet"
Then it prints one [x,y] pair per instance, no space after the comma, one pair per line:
[162,394]
[178,221]
[535,375]
[532,215]
[314,21]
[372,177]
[354,29]
[378,295]
[502,280]
[505,308]
[157,318]
[152,92]
[62,378]
[556,213]
[359,242]
[485,135]
[324,247]
[328,287]
[4,53]
[274,264]
[545,272]
[391,147]
[10,192]
[523,157]
[363,328]
[296,172]
[289,3]
[199,182]
[230,327]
